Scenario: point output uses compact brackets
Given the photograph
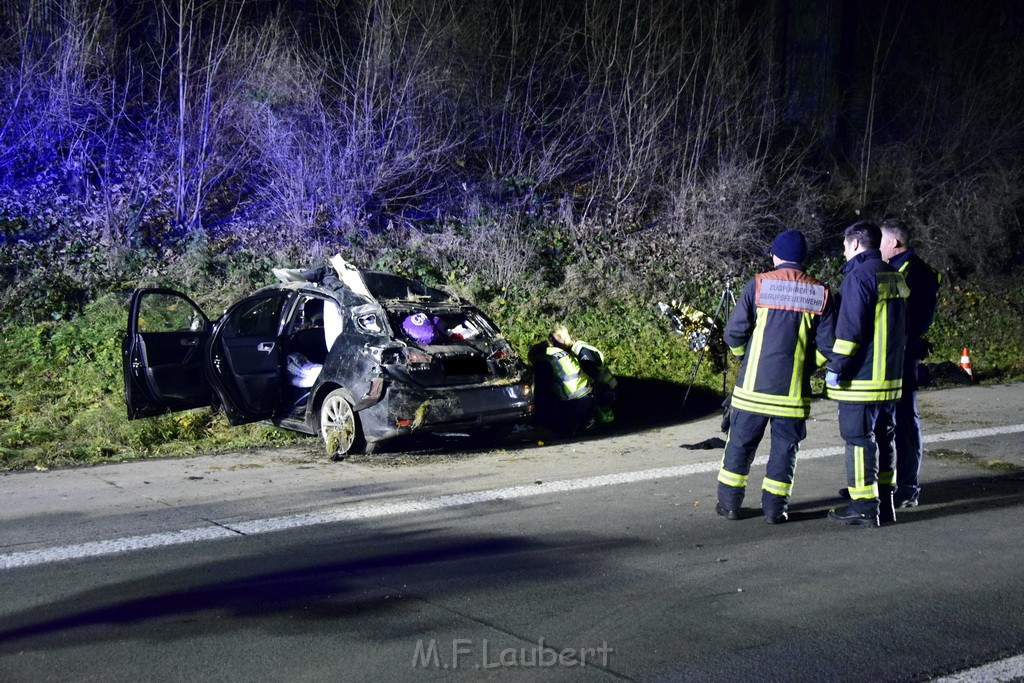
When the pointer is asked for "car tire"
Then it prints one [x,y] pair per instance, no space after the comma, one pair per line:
[339,426]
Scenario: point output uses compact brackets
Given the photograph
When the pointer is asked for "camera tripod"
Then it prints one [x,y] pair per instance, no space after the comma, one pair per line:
[726,302]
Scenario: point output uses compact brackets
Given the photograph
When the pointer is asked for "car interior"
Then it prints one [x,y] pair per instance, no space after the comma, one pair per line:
[314,326]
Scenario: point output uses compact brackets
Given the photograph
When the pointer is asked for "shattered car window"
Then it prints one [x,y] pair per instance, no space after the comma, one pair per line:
[257,319]
[165,313]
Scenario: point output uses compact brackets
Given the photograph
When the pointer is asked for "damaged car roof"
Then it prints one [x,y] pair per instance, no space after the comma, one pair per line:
[372,285]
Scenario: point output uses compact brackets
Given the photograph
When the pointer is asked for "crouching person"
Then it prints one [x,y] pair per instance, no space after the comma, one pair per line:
[573,385]
[774,329]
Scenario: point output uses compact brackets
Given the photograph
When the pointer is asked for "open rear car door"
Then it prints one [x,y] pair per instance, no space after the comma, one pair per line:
[163,354]
[244,355]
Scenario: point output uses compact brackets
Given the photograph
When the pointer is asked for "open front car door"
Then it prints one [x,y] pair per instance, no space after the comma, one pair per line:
[163,354]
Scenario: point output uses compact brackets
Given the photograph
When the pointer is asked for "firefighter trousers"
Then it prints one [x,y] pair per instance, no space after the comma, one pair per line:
[745,433]
[909,446]
[869,432]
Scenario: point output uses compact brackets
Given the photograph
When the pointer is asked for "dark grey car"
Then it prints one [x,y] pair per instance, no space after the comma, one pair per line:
[357,357]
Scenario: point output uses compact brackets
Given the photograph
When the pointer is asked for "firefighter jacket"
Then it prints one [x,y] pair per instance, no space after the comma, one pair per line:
[775,328]
[592,362]
[923,283]
[870,331]
[569,379]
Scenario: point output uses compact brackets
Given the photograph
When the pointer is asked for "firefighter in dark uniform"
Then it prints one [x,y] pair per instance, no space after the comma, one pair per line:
[774,329]
[864,374]
[923,283]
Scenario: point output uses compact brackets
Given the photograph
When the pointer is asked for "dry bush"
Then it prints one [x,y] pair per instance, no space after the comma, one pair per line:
[962,206]
[973,223]
[500,254]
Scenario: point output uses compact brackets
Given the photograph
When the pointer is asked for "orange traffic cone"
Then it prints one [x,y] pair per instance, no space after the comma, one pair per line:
[965,362]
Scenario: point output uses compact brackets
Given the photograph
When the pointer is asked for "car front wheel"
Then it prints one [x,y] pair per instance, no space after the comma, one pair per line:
[339,426]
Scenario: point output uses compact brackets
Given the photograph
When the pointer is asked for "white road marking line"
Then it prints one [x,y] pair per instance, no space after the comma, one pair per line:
[1005,670]
[29,558]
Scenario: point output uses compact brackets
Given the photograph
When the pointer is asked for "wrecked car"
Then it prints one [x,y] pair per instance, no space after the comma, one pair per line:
[357,357]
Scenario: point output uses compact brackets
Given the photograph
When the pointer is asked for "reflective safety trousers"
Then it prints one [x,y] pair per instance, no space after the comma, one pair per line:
[571,382]
[869,338]
[774,329]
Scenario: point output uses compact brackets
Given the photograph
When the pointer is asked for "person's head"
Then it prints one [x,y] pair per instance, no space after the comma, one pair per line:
[789,247]
[895,237]
[560,337]
[860,237]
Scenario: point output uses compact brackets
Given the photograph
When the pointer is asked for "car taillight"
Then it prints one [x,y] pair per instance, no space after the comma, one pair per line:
[417,357]
[502,351]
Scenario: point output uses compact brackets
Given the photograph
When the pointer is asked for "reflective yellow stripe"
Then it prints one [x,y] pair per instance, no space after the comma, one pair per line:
[872,385]
[774,399]
[779,488]
[866,390]
[820,358]
[845,347]
[881,340]
[750,377]
[863,396]
[732,479]
[864,492]
[858,468]
[886,477]
[768,409]
[800,355]
[906,265]
[738,351]
[891,286]
[861,489]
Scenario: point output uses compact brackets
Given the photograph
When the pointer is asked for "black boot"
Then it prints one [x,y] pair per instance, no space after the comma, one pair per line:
[886,508]
[726,512]
[848,517]
[774,507]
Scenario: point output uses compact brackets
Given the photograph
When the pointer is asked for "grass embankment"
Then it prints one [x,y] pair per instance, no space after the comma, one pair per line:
[61,393]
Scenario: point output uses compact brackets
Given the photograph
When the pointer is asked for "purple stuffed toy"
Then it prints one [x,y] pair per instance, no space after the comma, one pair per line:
[420,328]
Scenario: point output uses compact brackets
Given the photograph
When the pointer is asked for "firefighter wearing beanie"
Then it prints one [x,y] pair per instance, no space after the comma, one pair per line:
[774,330]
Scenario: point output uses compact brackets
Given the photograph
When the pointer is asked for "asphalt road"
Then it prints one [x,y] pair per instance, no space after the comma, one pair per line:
[615,557]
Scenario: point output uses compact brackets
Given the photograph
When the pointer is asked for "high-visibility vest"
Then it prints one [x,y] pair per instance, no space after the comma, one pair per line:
[570,379]
[604,375]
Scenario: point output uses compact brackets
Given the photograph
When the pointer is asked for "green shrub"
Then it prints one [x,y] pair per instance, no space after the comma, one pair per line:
[983,314]
[62,400]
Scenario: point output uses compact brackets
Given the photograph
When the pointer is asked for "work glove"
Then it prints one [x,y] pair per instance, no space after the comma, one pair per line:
[832,380]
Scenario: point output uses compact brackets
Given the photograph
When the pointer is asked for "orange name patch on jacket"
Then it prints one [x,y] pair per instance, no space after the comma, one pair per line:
[790,290]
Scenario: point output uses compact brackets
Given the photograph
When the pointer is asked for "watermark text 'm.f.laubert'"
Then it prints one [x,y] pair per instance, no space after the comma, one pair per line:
[467,653]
